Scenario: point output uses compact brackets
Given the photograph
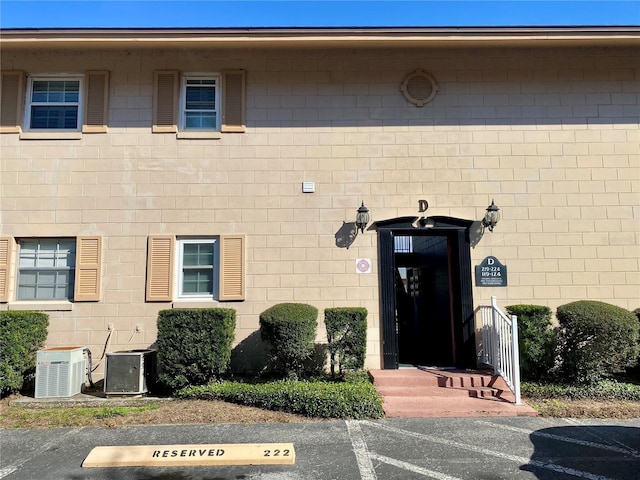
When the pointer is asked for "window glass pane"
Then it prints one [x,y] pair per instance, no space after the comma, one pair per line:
[66,258]
[201,81]
[197,254]
[26,292]
[197,281]
[70,117]
[46,259]
[71,92]
[45,292]
[27,258]
[54,117]
[40,91]
[403,244]
[56,91]
[190,254]
[202,120]
[201,98]
[47,277]
[28,277]
[46,269]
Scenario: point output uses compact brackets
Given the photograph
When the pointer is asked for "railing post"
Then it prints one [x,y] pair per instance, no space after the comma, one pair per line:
[516,359]
[495,335]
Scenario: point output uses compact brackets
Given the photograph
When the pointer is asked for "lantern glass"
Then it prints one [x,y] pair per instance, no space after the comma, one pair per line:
[362,218]
[491,217]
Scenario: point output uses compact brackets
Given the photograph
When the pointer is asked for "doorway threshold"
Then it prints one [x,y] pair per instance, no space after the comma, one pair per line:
[425,367]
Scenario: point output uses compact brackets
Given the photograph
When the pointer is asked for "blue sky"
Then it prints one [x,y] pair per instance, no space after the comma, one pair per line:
[311,13]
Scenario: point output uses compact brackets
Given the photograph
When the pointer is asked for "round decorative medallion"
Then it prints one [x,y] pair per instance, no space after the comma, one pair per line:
[419,87]
[363,265]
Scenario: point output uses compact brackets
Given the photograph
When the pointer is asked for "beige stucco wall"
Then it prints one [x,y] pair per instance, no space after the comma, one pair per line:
[552,135]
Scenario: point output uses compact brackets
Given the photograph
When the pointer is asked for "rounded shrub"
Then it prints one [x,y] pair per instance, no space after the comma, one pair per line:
[22,333]
[536,340]
[347,337]
[595,340]
[289,330]
[194,345]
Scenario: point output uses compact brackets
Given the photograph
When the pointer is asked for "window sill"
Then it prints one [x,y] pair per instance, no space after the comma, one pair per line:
[51,135]
[197,135]
[55,306]
[200,303]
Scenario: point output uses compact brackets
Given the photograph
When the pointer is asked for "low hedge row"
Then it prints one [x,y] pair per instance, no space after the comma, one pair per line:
[603,390]
[320,399]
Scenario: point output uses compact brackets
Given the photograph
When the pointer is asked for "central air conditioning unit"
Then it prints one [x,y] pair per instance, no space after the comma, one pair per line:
[60,372]
[130,372]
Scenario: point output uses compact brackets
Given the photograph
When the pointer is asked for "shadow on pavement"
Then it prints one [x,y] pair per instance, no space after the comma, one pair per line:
[585,452]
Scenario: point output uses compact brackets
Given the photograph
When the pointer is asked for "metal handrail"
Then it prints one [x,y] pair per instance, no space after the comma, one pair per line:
[500,345]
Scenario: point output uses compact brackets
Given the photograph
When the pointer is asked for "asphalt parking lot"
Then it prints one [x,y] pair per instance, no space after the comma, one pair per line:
[444,449]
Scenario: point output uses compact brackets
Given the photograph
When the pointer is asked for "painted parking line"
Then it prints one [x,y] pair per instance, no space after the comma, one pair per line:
[412,468]
[364,456]
[8,470]
[592,431]
[485,451]
[623,450]
[363,459]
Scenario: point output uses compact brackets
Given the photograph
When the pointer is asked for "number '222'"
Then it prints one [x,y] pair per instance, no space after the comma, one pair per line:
[276,453]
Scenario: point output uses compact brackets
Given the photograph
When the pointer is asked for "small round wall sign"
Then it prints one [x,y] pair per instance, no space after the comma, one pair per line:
[363,265]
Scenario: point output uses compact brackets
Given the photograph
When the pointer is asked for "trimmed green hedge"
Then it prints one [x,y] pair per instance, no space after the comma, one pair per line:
[290,330]
[595,340]
[22,334]
[536,340]
[194,345]
[603,390]
[320,399]
[347,337]
[636,312]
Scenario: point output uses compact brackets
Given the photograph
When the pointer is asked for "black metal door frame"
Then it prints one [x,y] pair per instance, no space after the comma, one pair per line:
[457,233]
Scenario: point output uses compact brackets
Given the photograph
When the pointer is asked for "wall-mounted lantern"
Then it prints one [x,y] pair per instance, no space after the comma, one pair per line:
[348,232]
[491,217]
[362,218]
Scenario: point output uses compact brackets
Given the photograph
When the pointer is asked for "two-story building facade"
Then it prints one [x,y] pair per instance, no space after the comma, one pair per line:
[149,169]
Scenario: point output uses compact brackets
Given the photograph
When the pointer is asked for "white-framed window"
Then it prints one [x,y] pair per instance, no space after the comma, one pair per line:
[187,268]
[55,271]
[198,268]
[46,269]
[199,102]
[53,103]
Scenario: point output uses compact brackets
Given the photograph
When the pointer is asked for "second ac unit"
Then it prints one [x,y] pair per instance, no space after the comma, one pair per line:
[129,372]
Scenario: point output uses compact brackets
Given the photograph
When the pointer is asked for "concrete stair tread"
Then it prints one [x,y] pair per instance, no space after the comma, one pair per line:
[435,407]
[421,393]
[430,391]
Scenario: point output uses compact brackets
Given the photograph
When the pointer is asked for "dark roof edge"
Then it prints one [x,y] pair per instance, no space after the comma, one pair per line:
[618,29]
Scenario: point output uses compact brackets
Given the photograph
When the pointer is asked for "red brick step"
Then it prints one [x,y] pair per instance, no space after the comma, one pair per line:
[418,393]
